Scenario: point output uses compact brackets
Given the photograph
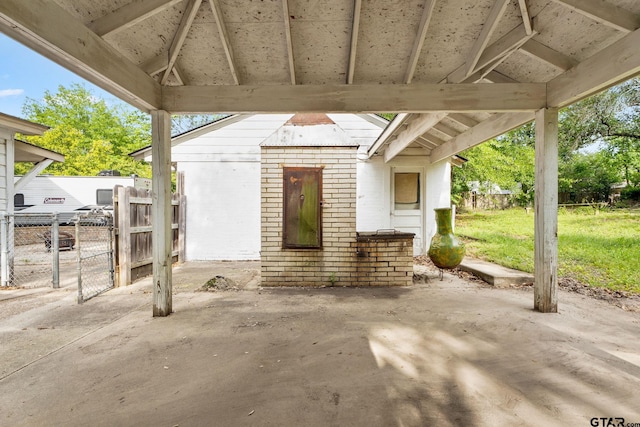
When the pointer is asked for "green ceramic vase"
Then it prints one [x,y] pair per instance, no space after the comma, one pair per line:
[446,251]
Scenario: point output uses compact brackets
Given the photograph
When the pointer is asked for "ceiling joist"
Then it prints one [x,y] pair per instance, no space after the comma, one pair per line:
[51,31]
[129,15]
[289,42]
[605,13]
[180,36]
[547,55]
[354,98]
[355,28]
[224,39]
[496,12]
[526,18]
[427,13]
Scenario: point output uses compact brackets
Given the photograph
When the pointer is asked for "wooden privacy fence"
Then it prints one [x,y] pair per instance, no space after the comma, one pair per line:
[132,220]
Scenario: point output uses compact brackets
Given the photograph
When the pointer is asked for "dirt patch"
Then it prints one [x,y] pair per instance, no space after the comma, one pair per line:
[219,283]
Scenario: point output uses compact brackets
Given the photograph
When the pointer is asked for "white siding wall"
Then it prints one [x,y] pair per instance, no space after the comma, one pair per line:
[222,184]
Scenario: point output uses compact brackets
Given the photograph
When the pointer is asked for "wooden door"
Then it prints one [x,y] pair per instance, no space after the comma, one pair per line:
[302,191]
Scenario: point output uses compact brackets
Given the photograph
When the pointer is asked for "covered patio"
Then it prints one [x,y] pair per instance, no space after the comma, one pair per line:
[446,353]
[458,72]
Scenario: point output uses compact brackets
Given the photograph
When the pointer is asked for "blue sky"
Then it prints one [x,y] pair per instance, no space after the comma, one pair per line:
[27,74]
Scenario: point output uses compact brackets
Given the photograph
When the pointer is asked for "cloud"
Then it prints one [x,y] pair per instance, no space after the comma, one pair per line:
[10,92]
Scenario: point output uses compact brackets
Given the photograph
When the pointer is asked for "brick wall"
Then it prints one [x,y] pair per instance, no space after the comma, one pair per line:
[339,262]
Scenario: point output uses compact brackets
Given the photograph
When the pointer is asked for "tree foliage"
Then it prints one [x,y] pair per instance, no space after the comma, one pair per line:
[91,134]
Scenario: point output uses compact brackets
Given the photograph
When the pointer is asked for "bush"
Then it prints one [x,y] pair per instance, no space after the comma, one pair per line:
[630,193]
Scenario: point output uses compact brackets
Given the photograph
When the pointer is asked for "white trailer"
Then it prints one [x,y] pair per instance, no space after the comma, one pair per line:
[71,194]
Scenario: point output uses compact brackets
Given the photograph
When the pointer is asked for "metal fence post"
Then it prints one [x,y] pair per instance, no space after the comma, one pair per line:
[55,249]
[4,250]
[78,260]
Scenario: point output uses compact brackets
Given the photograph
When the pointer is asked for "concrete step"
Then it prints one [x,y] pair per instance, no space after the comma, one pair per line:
[495,274]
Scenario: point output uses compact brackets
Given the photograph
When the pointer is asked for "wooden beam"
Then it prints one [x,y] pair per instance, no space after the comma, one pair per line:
[355,98]
[605,13]
[496,12]
[155,65]
[129,15]
[355,27]
[181,34]
[545,286]
[545,54]
[25,127]
[415,128]
[178,74]
[445,130]
[224,39]
[497,50]
[614,64]
[161,212]
[51,31]
[427,13]
[287,32]
[485,130]
[393,126]
[526,17]
[27,177]
[496,77]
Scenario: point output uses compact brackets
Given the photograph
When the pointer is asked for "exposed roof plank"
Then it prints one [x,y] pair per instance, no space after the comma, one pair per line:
[180,36]
[51,31]
[289,42]
[427,13]
[496,12]
[416,128]
[612,65]
[545,54]
[445,130]
[224,39]
[605,13]
[355,27]
[129,15]
[463,120]
[490,128]
[526,18]
[354,98]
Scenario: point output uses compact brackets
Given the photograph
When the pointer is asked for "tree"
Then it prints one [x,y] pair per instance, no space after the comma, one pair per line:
[185,122]
[91,134]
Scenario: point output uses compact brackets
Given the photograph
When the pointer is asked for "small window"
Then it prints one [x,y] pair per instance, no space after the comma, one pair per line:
[302,190]
[407,191]
[104,196]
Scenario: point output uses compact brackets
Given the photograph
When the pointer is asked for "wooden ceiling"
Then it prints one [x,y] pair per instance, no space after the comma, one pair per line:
[459,71]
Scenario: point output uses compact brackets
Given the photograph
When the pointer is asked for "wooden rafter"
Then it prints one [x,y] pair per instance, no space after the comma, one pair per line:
[496,12]
[224,39]
[496,77]
[394,126]
[612,65]
[427,13]
[526,18]
[494,126]
[355,28]
[445,130]
[65,40]
[180,36]
[178,74]
[129,15]
[465,121]
[417,127]
[545,54]
[605,13]
[155,65]
[287,32]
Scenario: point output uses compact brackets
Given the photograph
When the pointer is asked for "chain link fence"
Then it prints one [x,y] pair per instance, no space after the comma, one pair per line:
[53,250]
[94,247]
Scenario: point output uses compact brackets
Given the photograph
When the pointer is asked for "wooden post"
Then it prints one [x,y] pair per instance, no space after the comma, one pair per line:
[122,209]
[161,211]
[546,212]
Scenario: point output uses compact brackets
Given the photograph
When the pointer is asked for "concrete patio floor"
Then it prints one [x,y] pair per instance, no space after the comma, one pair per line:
[449,352]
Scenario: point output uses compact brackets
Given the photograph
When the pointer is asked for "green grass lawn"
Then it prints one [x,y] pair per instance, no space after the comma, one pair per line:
[599,250]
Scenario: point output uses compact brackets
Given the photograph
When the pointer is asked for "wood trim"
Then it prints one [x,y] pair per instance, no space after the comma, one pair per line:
[355,98]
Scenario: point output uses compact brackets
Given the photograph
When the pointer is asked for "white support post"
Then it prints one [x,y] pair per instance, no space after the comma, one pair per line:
[546,208]
[161,211]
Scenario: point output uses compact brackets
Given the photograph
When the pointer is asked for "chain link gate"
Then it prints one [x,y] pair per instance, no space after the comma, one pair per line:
[94,254]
